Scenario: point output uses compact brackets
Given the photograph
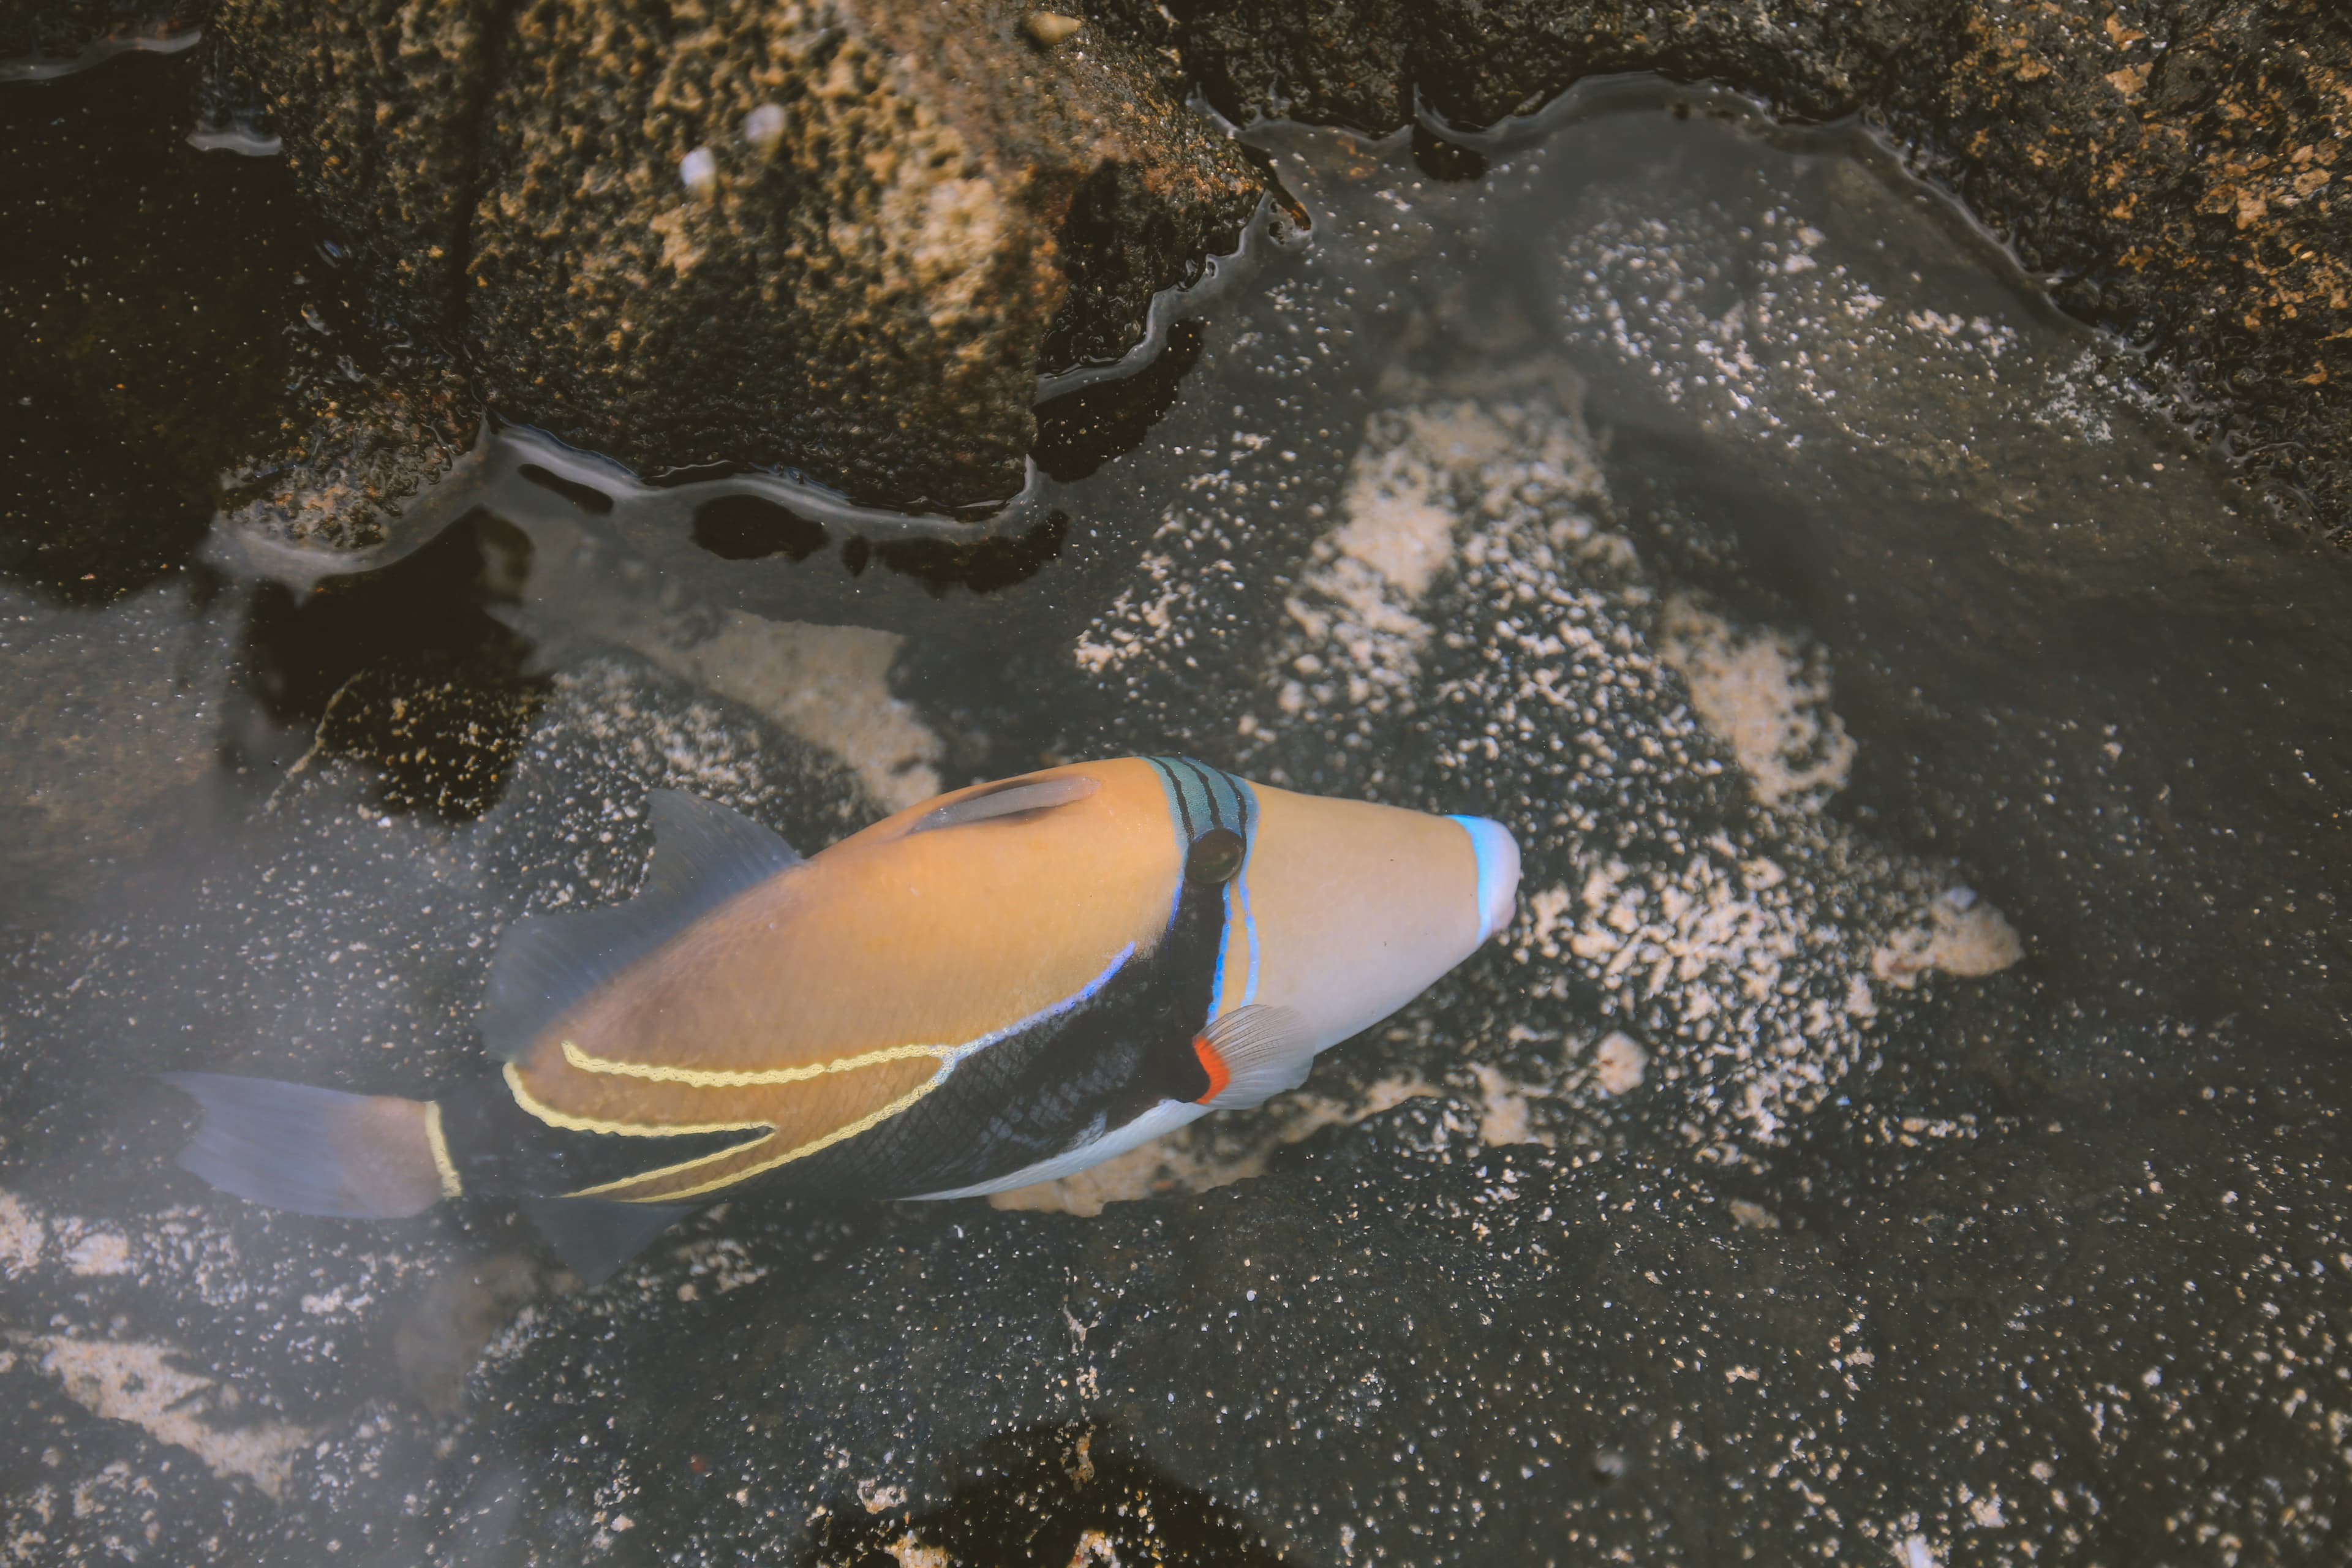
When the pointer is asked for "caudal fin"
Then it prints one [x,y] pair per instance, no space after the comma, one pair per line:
[316,1151]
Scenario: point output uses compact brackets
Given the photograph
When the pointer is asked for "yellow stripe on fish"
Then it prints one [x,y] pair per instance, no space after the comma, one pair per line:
[675,1184]
[702,1078]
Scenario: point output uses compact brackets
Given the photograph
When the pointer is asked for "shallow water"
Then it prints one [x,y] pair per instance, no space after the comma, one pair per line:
[1902,1122]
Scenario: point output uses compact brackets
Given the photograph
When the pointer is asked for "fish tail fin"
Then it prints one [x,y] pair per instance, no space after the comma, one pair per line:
[316,1150]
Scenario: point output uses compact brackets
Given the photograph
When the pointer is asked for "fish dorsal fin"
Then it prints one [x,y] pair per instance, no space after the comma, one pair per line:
[1260,1050]
[1019,798]
[703,856]
[595,1235]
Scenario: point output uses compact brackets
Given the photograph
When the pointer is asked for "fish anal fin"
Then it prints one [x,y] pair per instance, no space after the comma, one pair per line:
[704,855]
[595,1235]
[1254,1052]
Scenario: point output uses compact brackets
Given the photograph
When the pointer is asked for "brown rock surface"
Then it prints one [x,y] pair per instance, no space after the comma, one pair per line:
[840,237]
[900,213]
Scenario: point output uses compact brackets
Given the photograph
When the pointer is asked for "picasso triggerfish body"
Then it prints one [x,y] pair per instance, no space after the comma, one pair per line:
[1002,985]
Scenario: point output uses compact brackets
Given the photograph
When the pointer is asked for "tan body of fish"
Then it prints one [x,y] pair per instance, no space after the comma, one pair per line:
[1004,984]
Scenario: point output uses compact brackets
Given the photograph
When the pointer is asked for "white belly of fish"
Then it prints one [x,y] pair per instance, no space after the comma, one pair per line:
[1165,1116]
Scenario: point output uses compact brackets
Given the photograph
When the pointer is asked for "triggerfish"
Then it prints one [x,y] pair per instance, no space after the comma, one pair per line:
[1004,984]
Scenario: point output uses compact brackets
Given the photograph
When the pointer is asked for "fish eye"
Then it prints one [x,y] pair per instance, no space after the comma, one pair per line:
[1214,856]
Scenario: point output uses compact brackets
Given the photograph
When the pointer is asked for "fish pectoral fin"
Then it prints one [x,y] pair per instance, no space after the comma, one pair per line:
[704,855]
[1252,1053]
[596,1236]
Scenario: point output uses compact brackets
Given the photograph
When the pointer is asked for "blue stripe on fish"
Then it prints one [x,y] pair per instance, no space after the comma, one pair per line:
[1200,797]
[1498,870]
[1238,907]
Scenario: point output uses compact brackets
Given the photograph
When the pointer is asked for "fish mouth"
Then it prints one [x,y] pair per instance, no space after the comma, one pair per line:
[1498,872]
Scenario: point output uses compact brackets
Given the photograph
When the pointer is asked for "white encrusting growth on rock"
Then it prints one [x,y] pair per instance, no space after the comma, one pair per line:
[1961,935]
[1359,633]
[764,127]
[1618,1063]
[100,1252]
[22,1237]
[1765,699]
[137,1382]
[1135,621]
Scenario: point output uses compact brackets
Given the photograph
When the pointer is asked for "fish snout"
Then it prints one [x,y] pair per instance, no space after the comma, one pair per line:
[1499,873]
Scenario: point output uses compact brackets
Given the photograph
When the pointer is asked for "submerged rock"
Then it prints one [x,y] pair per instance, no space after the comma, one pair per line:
[1470,634]
[177,1354]
[844,239]
[2176,170]
[1419,1349]
[1752,1192]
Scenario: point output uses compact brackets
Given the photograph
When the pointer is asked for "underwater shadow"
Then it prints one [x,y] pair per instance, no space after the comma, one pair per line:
[144,326]
[1080,431]
[1054,1495]
[402,669]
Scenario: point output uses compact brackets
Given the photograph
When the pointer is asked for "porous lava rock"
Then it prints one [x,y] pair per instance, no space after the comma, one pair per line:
[843,238]
[1413,1348]
[2176,167]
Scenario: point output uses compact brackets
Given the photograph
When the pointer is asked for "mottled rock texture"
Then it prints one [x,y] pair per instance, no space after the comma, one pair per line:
[863,282]
[2178,165]
[840,237]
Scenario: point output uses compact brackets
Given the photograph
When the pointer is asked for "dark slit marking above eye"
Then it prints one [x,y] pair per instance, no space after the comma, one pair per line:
[1017,797]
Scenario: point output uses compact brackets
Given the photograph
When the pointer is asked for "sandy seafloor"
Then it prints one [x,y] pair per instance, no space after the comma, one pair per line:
[1900,1125]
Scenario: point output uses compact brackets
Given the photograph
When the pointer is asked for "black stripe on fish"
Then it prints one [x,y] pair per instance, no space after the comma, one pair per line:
[1073,1073]
[1178,795]
[1072,1076]
[500,1149]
